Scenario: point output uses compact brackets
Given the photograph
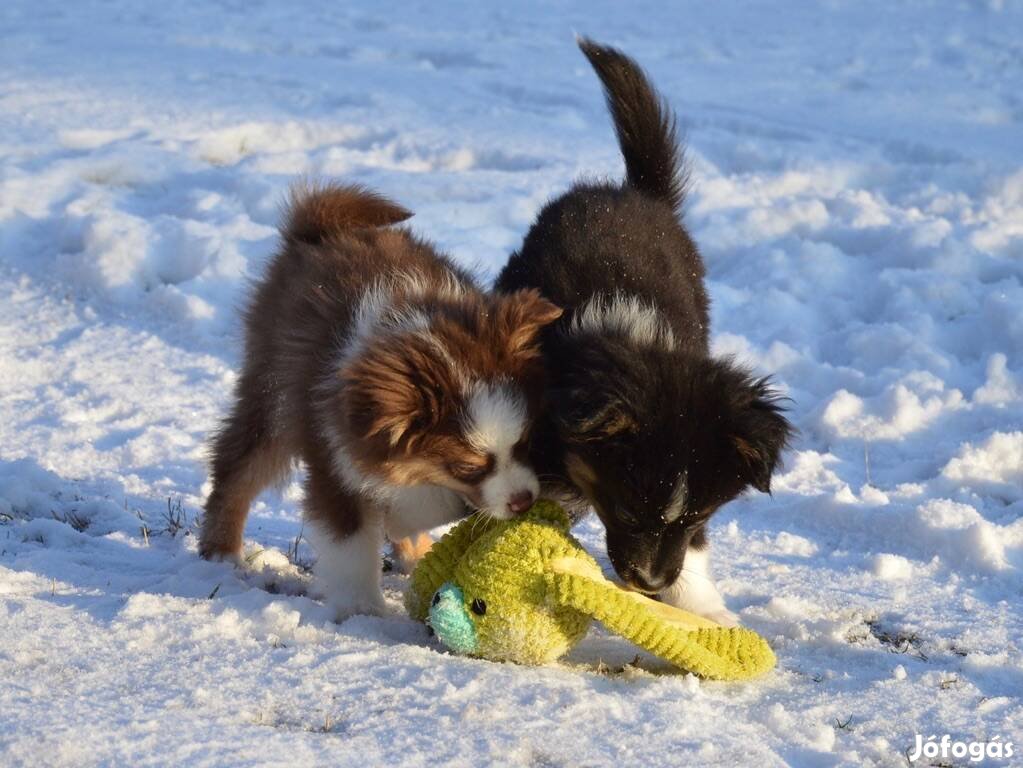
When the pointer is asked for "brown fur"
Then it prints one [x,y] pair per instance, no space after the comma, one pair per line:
[395,403]
[316,212]
[410,550]
[400,398]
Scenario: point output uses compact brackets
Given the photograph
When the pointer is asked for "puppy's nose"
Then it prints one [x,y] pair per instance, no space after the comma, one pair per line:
[520,502]
[641,581]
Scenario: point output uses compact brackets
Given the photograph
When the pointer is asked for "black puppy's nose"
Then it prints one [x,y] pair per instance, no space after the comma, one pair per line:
[520,502]
[641,581]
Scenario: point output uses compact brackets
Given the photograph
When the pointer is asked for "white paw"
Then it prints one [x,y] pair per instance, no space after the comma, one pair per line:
[367,606]
[231,558]
[699,596]
[722,616]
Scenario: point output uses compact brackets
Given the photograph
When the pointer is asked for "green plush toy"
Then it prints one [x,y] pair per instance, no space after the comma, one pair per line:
[525,590]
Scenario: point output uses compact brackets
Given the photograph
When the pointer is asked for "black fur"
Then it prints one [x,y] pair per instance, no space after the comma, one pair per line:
[652,423]
[647,135]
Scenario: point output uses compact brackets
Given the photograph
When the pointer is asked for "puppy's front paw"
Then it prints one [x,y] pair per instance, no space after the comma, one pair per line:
[346,607]
[218,555]
[699,595]
[722,616]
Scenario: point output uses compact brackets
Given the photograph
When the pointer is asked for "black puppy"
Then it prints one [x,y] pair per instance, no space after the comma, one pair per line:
[642,423]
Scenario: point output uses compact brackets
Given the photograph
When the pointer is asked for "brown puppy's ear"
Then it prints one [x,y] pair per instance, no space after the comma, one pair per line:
[523,314]
[395,393]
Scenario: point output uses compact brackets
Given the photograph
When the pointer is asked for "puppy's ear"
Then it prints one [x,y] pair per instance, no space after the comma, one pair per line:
[759,432]
[613,418]
[603,421]
[395,393]
[522,314]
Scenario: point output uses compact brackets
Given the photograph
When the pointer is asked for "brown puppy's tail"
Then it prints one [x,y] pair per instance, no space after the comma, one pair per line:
[316,212]
[654,159]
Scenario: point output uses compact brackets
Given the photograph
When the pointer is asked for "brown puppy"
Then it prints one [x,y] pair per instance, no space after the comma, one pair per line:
[407,391]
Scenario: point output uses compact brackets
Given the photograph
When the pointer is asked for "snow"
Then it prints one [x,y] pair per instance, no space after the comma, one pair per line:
[859,200]
[892,567]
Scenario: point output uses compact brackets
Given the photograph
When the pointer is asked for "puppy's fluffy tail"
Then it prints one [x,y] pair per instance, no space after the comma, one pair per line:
[316,212]
[647,134]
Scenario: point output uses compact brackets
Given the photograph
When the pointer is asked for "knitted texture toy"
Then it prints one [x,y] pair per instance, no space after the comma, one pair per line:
[525,590]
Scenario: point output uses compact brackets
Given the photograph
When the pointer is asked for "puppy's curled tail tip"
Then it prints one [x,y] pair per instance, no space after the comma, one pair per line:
[655,159]
[316,211]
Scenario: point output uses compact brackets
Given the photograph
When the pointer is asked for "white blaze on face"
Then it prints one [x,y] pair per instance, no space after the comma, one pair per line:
[677,505]
[496,420]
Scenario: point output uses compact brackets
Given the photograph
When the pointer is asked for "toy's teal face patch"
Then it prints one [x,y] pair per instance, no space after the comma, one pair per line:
[451,621]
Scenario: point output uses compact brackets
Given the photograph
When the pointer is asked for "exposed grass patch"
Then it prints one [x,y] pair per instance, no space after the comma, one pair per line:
[175,519]
[73,518]
[894,640]
[304,564]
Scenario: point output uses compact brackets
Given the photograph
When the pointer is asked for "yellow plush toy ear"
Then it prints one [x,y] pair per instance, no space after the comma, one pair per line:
[438,565]
[685,639]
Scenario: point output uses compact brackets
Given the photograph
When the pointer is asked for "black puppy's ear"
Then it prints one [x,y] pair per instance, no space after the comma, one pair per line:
[759,432]
[611,419]
[599,422]
[593,393]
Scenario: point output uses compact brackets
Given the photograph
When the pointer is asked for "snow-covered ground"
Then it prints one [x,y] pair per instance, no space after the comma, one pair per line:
[859,200]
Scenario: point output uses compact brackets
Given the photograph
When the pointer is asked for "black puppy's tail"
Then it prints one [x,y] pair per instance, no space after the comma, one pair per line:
[647,134]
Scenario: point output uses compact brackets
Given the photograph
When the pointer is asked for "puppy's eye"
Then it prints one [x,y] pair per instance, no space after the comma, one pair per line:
[467,473]
[479,607]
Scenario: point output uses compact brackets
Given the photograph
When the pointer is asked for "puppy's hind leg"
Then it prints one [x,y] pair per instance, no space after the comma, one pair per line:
[413,511]
[409,550]
[695,591]
[246,458]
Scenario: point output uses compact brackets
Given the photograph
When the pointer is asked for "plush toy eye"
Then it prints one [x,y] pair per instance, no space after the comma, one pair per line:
[436,599]
[479,607]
